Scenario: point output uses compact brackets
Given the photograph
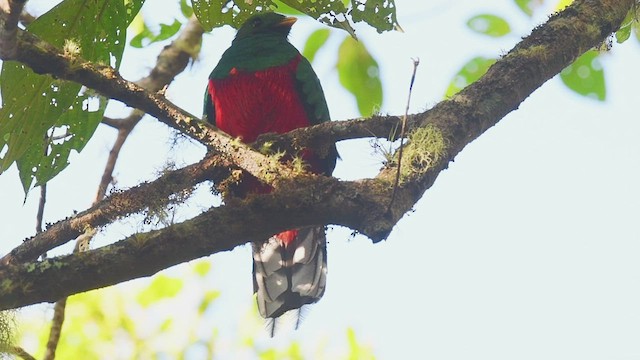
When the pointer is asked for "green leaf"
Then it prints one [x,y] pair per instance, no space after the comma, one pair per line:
[470,72]
[624,32]
[137,41]
[489,24]
[167,31]
[285,9]
[165,326]
[72,132]
[356,350]
[294,352]
[202,268]
[380,14]
[215,13]
[586,76]
[162,287]
[269,354]
[528,6]
[359,73]
[32,105]
[563,4]
[209,297]
[186,9]
[315,41]
[329,12]
[146,36]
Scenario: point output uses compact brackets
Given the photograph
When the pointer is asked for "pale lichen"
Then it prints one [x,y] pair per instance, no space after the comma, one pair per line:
[162,209]
[71,49]
[425,147]
[7,331]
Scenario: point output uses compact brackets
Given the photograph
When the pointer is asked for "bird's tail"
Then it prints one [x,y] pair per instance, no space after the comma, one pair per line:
[289,271]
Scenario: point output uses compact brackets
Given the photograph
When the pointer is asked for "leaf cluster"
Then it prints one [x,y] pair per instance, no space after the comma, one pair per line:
[380,14]
[43,119]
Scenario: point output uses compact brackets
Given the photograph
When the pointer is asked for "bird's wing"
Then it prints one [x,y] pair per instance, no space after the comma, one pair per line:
[311,92]
[315,104]
[208,111]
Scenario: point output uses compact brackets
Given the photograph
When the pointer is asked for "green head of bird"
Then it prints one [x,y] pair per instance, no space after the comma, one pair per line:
[266,24]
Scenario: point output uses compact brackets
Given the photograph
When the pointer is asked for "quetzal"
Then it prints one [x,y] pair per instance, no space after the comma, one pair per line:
[262,84]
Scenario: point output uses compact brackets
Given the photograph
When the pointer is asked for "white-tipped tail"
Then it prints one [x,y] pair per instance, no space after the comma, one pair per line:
[289,273]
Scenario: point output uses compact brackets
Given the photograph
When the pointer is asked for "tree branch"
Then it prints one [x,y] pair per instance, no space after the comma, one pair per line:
[314,200]
[318,200]
[9,17]
[118,205]
[18,351]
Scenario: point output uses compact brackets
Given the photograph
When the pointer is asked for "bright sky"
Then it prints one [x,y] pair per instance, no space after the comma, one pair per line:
[527,247]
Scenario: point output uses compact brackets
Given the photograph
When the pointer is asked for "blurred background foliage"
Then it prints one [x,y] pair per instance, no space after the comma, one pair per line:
[153,320]
[585,76]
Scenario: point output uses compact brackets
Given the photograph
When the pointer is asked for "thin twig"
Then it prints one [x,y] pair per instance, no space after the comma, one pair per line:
[43,198]
[56,329]
[114,123]
[416,62]
[41,203]
[125,127]
[18,351]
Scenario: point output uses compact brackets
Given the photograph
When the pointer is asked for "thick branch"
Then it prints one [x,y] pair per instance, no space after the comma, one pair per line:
[312,201]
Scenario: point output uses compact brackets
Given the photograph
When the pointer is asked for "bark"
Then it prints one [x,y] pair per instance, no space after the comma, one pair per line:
[298,199]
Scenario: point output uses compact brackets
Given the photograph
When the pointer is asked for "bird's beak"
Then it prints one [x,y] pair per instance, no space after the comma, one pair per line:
[288,21]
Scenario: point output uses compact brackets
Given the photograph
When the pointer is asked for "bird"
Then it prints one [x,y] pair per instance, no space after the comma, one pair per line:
[262,84]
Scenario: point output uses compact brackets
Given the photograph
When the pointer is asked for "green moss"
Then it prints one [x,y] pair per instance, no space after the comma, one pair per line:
[298,164]
[536,51]
[269,170]
[266,148]
[32,266]
[5,285]
[140,239]
[425,148]
[44,265]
